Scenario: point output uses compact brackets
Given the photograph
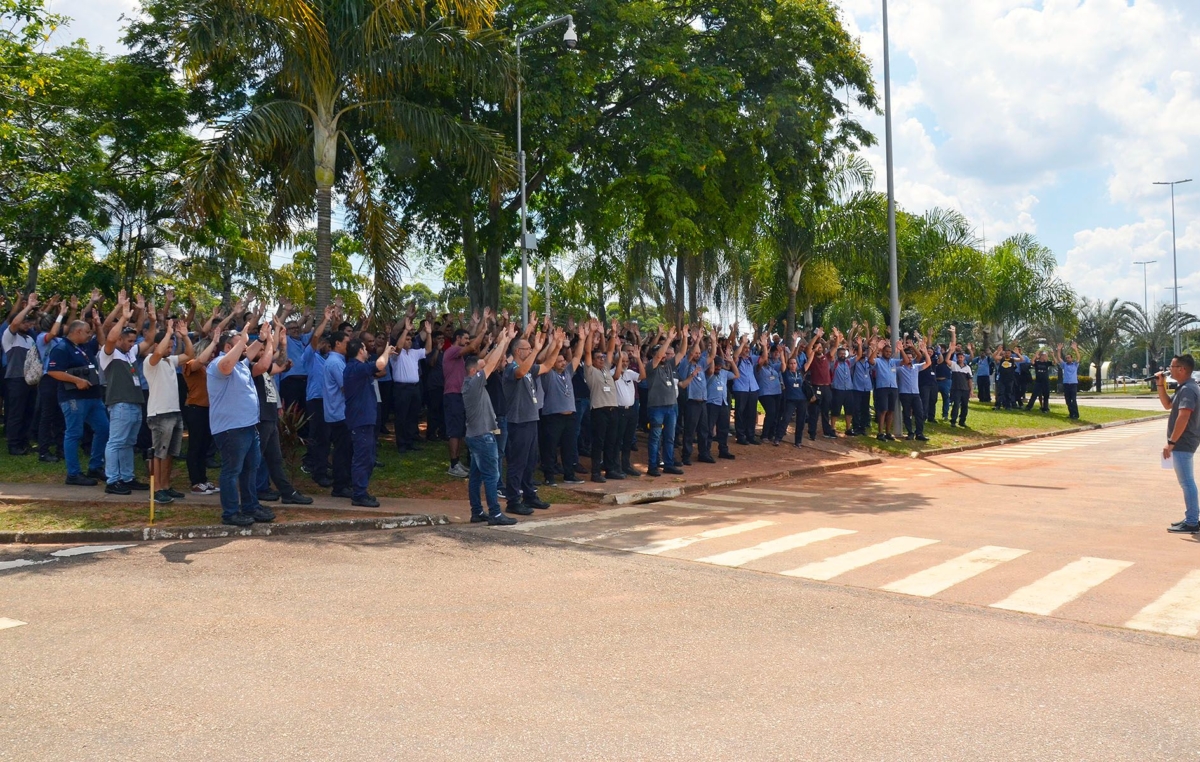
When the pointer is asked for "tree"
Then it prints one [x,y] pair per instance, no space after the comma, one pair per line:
[1155,331]
[1019,287]
[315,88]
[298,281]
[1101,324]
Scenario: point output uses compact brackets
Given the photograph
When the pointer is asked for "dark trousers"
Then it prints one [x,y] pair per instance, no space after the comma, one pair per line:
[1041,393]
[825,406]
[199,439]
[717,421]
[387,401]
[19,401]
[317,456]
[771,415]
[435,415]
[521,454]
[745,415]
[51,424]
[406,408]
[558,437]
[914,414]
[695,428]
[862,410]
[984,385]
[604,431]
[583,425]
[627,420]
[929,393]
[339,440]
[293,389]
[272,458]
[362,441]
[797,408]
[1069,393]
[959,399]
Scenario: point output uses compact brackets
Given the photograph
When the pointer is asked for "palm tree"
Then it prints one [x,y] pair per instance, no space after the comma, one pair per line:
[325,82]
[1020,288]
[1155,330]
[1101,325]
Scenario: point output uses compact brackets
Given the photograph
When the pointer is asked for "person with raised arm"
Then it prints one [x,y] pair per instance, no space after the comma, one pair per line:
[19,399]
[465,343]
[316,459]
[605,410]
[663,402]
[908,382]
[118,361]
[522,400]
[72,364]
[483,430]
[163,414]
[558,412]
[195,409]
[406,383]
[1070,378]
[362,415]
[50,421]
[886,386]
[960,381]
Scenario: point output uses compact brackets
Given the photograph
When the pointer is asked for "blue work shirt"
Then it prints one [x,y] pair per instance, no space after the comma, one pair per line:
[861,371]
[361,407]
[794,383]
[1070,373]
[908,376]
[984,368]
[698,389]
[746,382]
[232,399]
[717,386]
[335,395]
[770,378]
[295,353]
[314,368]
[885,372]
[841,375]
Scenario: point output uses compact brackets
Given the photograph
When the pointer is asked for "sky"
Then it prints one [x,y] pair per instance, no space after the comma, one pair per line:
[1050,117]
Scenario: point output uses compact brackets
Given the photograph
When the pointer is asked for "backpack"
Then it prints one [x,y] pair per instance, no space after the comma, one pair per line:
[33,366]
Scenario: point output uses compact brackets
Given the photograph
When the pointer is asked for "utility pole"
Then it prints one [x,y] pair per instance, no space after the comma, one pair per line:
[897,426]
[1146,305]
[1175,260]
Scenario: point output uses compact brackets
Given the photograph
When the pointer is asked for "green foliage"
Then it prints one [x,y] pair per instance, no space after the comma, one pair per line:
[297,280]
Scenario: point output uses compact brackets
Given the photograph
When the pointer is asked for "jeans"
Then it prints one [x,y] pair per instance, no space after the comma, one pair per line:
[485,472]
[943,388]
[124,422]
[363,460]
[271,463]
[240,453]
[1182,461]
[1041,393]
[76,413]
[662,435]
[958,410]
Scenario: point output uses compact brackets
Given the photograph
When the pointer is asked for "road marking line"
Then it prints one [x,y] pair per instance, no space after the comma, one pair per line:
[938,578]
[5,623]
[663,546]
[698,506]
[771,547]
[781,492]
[1176,612]
[1059,588]
[17,564]
[614,531]
[836,565]
[86,549]
[736,499]
[582,518]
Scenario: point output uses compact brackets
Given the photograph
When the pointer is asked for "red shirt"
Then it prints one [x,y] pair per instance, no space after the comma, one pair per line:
[818,372]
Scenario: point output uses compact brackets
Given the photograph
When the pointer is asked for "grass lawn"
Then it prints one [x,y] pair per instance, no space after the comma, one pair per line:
[47,516]
[985,423]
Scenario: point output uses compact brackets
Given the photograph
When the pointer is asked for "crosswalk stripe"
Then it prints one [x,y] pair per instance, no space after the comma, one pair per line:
[1059,588]
[18,563]
[938,578]
[86,549]
[663,546]
[1176,612]
[614,531]
[736,499]
[5,623]
[780,492]
[697,506]
[771,547]
[581,518]
[836,565]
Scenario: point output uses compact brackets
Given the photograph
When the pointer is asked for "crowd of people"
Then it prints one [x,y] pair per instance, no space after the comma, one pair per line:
[508,399]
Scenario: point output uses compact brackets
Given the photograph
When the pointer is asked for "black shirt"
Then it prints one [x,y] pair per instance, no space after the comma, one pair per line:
[66,356]
[1041,370]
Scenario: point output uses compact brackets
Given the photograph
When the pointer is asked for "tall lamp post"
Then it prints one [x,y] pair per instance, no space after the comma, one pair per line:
[891,194]
[1146,305]
[1175,260]
[528,241]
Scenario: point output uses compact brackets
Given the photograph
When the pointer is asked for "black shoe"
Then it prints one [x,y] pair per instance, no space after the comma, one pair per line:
[547,483]
[262,515]
[176,494]
[324,481]
[19,452]
[687,462]
[519,508]
[117,488]
[1181,528]
[653,472]
[537,502]
[952,424]
[136,486]
[296,499]
[922,438]
[726,456]
[268,497]
[500,520]
[572,480]
[673,470]
[343,492]
[709,458]
[619,476]
[238,520]
[81,481]
[739,441]
[881,437]
[890,437]
[756,441]
[95,473]
[580,469]
[631,471]
[162,496]
[368,501]
[599,478]
[908,438]
[49,458]
[798,445]
[478,518]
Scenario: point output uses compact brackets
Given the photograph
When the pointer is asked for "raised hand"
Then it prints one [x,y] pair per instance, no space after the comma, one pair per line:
[75,302]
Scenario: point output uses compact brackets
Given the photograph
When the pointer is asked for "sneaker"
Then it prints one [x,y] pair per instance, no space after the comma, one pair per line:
[212,487]
[176,494]
[536,502]
[366,501]
[653,472]
[673,470]
[631,471]
[95,473]
[520,509]
[457,470]
[727,456]
[580,469]
[922,438]
[345,492]
[500,520]
[202,489]
[238,520]
[137,486]
[572,479]
[908,438]
[709,458]
[548,482]
[117,488]
[297,499]
[304,469]
[617,475]
[49,458]
[1181,528]
[890,437]
[479,518]
[599,478]
[324,482]
[162,496]
[262,515]
[81,481]
[268,497]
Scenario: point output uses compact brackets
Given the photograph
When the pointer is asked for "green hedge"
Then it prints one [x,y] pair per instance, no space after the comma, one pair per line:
[1085,383]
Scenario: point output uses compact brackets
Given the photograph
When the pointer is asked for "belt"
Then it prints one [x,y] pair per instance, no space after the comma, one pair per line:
[408,383]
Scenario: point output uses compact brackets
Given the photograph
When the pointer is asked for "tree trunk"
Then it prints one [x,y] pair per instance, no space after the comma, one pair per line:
[680,280]
[693,288]
[470,244]
[35,263]
[492,254]
[324,265]
[808,316]
[790,324]
[668,291]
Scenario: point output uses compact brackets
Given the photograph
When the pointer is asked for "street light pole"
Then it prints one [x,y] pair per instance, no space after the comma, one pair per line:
[891,194]
[528,241]
[1146,305]
[1175,260]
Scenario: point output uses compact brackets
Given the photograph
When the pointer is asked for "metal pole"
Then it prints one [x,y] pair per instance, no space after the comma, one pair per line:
[891,209]
[1146,305]
[547,283]
[524,212]
[1175,263]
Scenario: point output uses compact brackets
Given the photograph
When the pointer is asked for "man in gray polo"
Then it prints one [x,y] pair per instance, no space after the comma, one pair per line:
[1183,436]
[482,430]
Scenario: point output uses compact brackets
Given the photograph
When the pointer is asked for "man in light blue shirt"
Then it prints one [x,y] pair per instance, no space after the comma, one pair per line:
[863,386]
[717,400]
[745,398]
[983,377]
[335,414]
[693,383]
[886,387]
[908,378]
[316,459]
[233,419]
[1070,378]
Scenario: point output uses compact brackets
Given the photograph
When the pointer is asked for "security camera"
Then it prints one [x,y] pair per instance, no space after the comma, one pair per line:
[570,39]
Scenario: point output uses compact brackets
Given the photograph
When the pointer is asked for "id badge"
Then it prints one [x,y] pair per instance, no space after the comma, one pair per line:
[607,389]
[534,396]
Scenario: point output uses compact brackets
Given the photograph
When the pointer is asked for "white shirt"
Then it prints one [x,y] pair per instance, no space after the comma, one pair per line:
[105,358]
[627,388]
[164,388]
[11,340]
[956,368]
[404,365]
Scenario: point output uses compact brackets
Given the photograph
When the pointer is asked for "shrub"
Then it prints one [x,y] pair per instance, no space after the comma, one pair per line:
[1085,383]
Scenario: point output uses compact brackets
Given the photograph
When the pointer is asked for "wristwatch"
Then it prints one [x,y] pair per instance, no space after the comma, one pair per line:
[1170,443]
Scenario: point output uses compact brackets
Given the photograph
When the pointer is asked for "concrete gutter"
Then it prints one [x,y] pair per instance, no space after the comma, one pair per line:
[283,529]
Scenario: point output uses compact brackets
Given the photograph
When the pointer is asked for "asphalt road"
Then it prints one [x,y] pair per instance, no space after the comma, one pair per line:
[735,626]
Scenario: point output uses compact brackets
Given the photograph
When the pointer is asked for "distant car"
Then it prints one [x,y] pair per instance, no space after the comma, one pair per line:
[1128,380]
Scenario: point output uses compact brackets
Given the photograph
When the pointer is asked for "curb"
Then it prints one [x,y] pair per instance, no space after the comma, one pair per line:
[220,531]
[667,493]
[1029,437]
